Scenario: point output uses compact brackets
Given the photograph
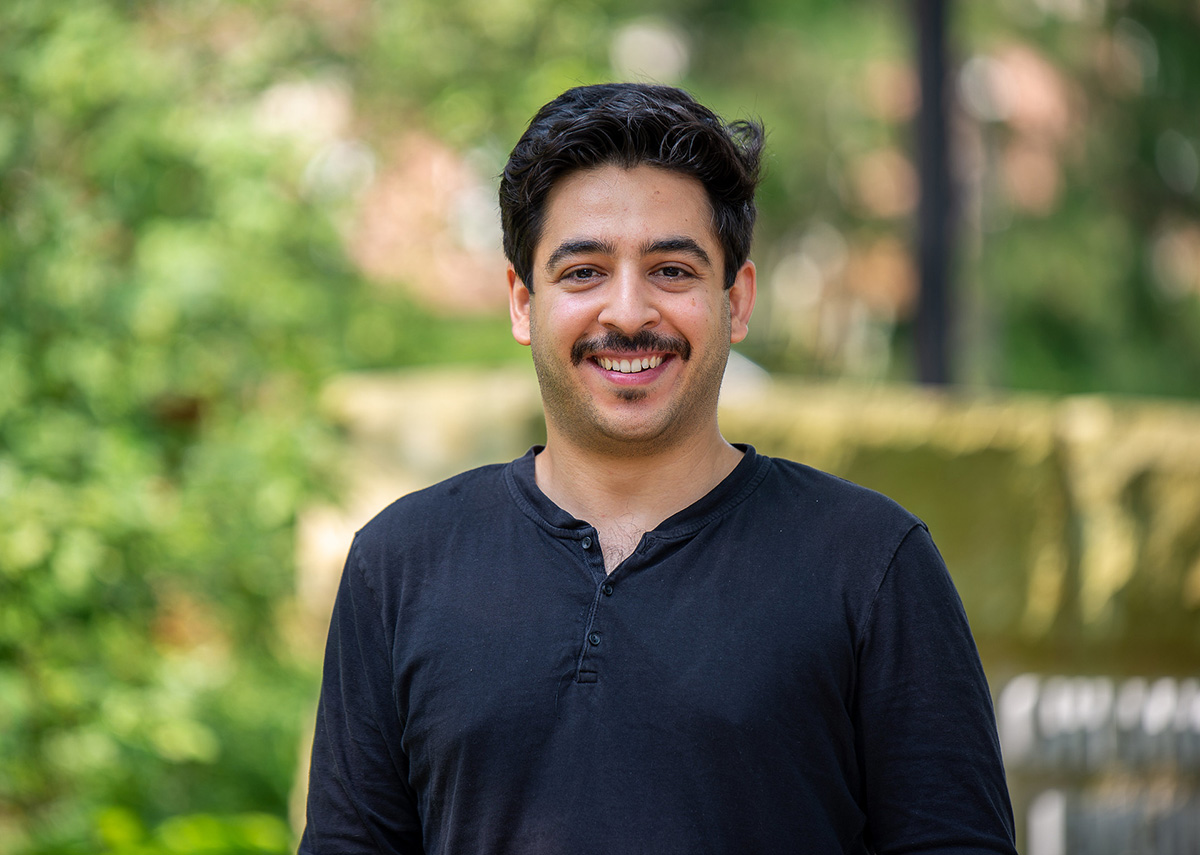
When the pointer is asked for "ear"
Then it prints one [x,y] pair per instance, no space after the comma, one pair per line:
[518,307]
[741,302]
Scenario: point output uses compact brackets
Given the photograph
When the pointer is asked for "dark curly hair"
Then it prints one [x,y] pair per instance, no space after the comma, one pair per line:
[631,124]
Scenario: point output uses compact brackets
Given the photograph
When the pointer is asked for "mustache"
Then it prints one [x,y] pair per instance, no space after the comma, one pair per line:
[643,340]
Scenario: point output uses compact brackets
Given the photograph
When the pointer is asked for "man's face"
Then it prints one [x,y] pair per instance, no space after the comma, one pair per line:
[629,322]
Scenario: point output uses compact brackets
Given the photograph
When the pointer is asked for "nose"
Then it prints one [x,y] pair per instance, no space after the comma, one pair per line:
[629,304]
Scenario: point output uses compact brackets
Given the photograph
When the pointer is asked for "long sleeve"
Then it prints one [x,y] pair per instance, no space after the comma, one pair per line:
[932,769]
[359,800]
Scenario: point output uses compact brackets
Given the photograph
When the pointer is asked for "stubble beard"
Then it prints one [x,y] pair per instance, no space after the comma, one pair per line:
[578,417]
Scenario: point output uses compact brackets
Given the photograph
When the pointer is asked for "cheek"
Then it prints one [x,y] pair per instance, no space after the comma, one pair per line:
[706,315]
[571,317]
[552,332]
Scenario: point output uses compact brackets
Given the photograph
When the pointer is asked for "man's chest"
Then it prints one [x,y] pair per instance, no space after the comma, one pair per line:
[735,652]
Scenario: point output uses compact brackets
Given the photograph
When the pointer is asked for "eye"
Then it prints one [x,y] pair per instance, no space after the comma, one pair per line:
[673,272]
[581,274]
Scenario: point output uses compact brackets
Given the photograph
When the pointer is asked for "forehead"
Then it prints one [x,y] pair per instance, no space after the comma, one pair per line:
[626,207]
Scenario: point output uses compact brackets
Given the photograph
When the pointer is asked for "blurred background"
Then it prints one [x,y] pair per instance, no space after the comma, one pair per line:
[225,226]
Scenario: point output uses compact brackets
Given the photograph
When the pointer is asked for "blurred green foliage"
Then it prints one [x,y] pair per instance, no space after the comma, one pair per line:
[1100,290]
[175,285]
[169,304]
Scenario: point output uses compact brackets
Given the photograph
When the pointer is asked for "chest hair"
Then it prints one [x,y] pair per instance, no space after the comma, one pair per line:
[617,542]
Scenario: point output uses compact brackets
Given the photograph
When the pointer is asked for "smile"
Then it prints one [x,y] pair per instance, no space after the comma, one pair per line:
[629,366]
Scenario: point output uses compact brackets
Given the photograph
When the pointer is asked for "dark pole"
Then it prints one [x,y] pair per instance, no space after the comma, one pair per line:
[935,214]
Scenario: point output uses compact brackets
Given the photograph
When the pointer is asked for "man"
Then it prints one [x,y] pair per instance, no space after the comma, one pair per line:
[640,638]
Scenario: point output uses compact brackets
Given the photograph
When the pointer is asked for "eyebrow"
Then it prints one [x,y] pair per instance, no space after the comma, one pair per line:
[677,244]
[578,247]
[585,246]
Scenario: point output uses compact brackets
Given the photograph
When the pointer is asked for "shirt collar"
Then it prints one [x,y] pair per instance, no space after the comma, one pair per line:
[749,471]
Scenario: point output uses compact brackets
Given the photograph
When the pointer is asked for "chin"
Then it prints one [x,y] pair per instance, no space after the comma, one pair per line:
[632,394]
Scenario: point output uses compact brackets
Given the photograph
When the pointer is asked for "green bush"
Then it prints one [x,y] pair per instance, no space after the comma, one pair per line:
[170,303]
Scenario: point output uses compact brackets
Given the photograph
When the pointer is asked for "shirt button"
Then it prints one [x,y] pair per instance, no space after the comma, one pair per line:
[594,639]
[607,589]
[586,543]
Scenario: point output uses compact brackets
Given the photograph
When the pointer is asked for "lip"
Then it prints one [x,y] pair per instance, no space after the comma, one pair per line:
[637,378]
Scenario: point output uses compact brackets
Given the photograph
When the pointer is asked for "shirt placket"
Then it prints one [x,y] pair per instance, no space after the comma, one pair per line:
[587,669]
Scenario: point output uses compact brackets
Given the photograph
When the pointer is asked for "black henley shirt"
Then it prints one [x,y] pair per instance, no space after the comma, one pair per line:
[784,666]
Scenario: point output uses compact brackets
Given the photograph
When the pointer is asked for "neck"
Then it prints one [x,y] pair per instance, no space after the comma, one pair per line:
[637,491]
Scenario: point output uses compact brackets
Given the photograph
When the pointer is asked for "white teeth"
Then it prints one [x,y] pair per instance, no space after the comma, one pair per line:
[627,366]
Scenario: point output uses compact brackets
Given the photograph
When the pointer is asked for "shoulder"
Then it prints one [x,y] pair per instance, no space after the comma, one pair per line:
[475,487]
[832,500]
[845,533]
[419,520]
